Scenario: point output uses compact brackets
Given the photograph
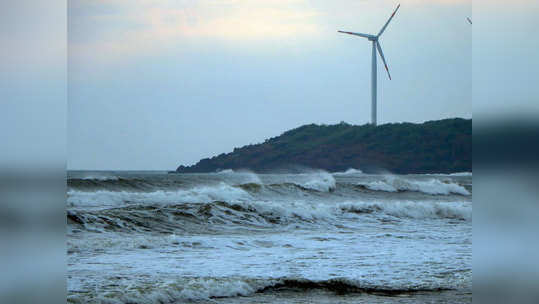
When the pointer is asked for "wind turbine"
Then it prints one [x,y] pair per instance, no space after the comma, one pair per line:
[375,46]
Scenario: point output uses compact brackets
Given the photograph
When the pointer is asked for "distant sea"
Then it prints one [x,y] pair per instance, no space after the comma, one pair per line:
[240,237]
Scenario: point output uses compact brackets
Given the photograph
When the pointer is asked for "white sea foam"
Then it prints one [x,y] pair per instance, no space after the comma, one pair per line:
[328,213]
[461,174]
[433,186]
[261,214]
[350,171]
[267,213]
[381,186]
[320,181]
[204,289]
[100,177]
[451,174]
[195,289]
[219,192]
[417,210]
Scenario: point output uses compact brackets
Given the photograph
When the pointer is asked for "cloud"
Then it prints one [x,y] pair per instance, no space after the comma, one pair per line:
[118,30]
[123,28]
[240,22]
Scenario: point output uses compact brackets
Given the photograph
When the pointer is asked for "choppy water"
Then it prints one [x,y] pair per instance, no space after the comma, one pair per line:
[239,237]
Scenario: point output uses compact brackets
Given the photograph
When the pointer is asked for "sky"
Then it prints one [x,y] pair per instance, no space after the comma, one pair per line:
[33,83]
[157,84]
[505,59]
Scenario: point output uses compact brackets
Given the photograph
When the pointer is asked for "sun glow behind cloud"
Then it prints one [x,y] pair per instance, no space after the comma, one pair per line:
[237,22]
[123,28]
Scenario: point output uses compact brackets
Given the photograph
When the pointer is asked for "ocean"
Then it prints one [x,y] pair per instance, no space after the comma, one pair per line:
[241,237]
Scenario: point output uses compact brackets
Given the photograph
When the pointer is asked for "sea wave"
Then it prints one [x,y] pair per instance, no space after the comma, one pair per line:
[432,186]
[461,174]
[115,193]
[217,216]
[118,184]
[107,198]
[320,181]
[416,210]
[100,177]
[451,174]
[221,215]
[97,189]
[200,289]
[350,171]
[113,183]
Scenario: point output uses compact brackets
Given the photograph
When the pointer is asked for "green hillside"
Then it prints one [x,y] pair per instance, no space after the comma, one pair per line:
[441,146]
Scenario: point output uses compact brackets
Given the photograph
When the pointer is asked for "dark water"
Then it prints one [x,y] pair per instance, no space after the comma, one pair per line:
[238,237]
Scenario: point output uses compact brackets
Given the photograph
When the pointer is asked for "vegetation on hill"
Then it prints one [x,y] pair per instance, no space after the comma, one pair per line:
[441,146]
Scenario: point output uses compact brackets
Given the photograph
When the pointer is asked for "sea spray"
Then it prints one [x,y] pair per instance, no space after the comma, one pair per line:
[320,181]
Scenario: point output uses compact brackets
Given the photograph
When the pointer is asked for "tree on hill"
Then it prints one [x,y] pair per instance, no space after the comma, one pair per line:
[441,146]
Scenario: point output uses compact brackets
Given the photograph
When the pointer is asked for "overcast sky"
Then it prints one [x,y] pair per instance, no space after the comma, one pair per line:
[156,84]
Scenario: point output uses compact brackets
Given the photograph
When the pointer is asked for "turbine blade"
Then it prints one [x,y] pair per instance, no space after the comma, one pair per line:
[358,34]
[392,15]
[383,58]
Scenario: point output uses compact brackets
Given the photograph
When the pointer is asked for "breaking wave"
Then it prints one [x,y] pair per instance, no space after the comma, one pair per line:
[107,198]
[417,210]
[317,180]
[461,174]
[432,186]
[320,181]
[198,217]
[200,289]
[121,189]
[350,171]
[457,174]
[100,177]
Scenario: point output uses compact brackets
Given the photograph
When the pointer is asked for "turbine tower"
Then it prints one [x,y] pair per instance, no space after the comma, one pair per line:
[375,46]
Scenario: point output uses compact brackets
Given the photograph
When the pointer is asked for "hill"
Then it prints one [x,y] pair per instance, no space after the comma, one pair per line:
[441,146]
